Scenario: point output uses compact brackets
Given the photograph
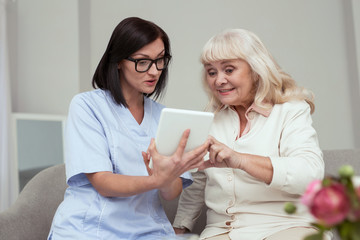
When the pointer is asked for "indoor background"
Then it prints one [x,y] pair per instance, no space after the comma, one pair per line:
[55,46]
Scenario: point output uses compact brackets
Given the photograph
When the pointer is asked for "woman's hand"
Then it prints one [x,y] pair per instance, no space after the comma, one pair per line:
[164,175]
[167,169]
[222,156]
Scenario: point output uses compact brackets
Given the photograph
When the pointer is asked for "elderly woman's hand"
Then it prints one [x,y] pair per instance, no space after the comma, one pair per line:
[222,156]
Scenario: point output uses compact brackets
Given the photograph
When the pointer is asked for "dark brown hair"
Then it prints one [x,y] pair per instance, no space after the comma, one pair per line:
[130,35]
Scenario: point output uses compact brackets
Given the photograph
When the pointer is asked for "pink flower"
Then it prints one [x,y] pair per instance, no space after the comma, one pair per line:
[310,192]
[330,205]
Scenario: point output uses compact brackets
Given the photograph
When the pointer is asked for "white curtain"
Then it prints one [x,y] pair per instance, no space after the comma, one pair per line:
[9,183]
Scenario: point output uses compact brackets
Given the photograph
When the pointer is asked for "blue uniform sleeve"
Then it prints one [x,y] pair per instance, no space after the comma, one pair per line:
[86,145]
[187,179]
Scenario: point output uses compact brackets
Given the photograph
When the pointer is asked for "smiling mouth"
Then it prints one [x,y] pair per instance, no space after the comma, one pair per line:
[225,90]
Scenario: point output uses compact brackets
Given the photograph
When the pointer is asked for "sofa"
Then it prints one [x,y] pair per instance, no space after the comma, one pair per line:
[30,217]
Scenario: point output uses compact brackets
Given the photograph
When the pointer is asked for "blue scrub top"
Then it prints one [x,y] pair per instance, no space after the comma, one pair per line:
[103,136]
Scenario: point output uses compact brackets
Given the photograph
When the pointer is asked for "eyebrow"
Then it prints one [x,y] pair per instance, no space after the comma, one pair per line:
[226,62]
[147,56]
[221,62]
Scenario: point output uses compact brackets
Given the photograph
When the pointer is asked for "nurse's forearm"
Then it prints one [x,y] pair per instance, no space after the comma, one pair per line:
[109,184]
[172,190]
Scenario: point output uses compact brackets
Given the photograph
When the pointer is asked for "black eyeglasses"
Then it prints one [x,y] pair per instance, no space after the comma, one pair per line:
[144,64]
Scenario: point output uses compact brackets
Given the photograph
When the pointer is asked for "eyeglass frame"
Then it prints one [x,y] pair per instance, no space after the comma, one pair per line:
[168,57]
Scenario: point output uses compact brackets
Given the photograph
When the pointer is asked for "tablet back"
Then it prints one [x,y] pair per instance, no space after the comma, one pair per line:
[172,124]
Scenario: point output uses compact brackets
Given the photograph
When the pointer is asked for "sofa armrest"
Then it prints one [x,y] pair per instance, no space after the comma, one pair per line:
[30,217]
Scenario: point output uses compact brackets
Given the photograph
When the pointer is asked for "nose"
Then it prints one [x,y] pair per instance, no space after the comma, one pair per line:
[220,79]
[153,70]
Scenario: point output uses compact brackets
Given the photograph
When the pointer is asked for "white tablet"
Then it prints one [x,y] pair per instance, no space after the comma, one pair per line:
[172,124]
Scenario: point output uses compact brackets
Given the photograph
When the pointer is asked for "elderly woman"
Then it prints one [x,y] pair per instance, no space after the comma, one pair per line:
[264,151]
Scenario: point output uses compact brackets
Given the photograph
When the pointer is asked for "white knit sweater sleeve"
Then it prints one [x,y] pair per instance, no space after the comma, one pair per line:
[300,160]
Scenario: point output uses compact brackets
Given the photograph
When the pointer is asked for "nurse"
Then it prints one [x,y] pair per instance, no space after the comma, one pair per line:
[112,194]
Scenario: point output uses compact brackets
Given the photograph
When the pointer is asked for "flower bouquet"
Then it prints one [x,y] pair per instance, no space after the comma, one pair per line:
[335,204]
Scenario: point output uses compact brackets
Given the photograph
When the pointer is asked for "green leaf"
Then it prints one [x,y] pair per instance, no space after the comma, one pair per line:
[321,227]
[344,230]
[355,236]
[355,231]
[326,182]
[349,230]
[317,236]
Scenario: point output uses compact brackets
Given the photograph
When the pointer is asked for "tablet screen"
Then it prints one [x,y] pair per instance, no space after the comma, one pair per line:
[172,124]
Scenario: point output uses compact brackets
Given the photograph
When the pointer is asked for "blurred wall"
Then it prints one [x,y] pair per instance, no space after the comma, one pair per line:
[55,47]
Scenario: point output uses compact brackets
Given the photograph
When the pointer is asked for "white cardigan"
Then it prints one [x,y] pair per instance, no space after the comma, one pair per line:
[242,205]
